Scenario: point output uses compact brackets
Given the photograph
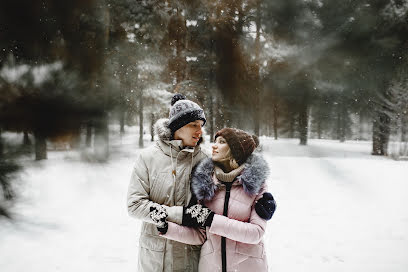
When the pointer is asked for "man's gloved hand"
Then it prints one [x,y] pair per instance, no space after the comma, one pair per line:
[159,214]
[197,216]
[265,206]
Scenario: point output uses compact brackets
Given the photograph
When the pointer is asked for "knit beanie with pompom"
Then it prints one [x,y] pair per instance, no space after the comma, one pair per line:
[183,111]
[240,142]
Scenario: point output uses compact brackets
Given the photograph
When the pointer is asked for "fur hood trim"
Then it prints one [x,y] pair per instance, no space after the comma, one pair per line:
[252,178]
[161,129]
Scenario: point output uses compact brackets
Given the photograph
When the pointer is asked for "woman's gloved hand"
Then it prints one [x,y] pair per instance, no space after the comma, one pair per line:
[265,206]
[197,216]
[158,214]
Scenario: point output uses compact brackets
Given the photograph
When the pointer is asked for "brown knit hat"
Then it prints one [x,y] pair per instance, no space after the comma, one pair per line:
[241,143]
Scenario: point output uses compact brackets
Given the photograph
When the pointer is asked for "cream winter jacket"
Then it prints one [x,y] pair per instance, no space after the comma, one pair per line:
[152,181]
[243,228]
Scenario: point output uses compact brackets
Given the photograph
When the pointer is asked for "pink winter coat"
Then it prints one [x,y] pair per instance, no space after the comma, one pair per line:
[243,228]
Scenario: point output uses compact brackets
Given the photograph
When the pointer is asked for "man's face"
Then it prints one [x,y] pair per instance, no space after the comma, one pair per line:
[190,134]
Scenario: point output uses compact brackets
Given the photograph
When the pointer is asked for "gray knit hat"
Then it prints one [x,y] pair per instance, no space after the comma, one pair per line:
[183,111]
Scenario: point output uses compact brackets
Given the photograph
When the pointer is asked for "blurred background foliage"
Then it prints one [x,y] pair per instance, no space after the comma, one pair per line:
[285,68]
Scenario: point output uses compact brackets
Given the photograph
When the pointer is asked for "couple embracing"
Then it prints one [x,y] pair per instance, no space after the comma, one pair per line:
[200,213]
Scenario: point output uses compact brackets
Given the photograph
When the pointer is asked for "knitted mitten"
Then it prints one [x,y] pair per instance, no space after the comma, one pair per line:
[265,206]
[159,214]
[197,216]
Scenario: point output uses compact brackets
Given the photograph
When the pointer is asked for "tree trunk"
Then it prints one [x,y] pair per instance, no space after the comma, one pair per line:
[361,130]
[303,124]
[269,122]
[211,84]
[257,106]
[404,124]
[26,139]
[101,128]
[319,127]
[40,146]
[153,119]
[219,118]
[101,139]
[381,134]
[1,145]
[338,126]
[88,139]
[122,120]
[275,120]
[75,141]
[227,116]
[382,124]
[291,132]
[240,22]
[180,46]
[141,119]
[122,103]
[257,109]
[303,119]
[211,117]
[6,167]
[342,122]
[341,135]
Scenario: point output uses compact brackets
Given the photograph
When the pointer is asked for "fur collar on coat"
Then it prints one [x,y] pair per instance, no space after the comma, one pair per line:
[252,178]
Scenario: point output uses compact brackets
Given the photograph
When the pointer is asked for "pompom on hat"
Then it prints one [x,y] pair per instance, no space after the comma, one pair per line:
[183,111]
[240,142]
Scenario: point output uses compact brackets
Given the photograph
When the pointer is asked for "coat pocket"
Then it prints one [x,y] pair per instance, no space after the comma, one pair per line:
[151,253]
[153,243]
[256,251]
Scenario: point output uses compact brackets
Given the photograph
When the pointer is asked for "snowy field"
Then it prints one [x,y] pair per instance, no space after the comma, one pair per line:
[339,209]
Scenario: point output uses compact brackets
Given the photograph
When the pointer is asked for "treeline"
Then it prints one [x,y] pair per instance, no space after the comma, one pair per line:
[284,68]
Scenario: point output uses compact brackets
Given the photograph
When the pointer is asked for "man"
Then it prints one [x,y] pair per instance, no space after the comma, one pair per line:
[161,178]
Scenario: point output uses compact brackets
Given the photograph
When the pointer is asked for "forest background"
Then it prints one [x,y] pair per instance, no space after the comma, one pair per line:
[285,69]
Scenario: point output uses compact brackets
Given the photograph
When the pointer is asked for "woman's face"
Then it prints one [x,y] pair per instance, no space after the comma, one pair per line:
[220,149]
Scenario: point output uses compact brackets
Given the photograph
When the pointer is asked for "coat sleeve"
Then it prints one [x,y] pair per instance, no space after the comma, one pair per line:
[138,201]
[245,232]
[185,235]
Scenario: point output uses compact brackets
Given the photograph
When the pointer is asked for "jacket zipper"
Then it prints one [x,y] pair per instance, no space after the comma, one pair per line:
[223,239]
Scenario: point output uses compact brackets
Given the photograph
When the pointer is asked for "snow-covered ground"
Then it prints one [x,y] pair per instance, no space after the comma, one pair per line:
[339,209]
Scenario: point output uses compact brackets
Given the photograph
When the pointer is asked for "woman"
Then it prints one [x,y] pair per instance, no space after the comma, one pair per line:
[227,187]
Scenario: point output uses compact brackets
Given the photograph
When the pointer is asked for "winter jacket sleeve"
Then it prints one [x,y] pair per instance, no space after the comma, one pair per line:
[245,232]
[185,235]
[138,201]
[175,214]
